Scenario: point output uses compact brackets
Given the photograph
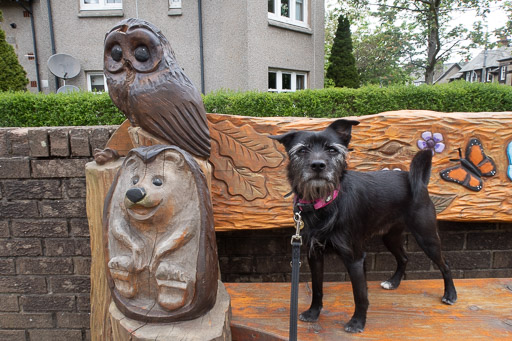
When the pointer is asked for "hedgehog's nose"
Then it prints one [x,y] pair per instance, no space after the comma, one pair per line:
[136,194]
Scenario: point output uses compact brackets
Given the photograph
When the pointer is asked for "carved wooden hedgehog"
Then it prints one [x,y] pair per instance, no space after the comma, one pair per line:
[160,244]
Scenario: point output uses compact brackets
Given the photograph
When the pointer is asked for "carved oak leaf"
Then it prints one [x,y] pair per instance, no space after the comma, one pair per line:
[239,181]
[252,150]
[441,202]
[391,147]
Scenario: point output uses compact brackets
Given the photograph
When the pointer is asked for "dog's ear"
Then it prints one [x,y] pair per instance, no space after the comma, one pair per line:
[343,128]
[285,139]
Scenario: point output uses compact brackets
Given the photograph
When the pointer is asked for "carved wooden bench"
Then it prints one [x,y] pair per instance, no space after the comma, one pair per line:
[249,177]
[248,184]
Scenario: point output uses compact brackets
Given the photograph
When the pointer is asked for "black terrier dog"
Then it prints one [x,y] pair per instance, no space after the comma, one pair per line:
[341,209]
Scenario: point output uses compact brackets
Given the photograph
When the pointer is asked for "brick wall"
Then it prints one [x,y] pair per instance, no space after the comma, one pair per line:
[44,239]
[44,235]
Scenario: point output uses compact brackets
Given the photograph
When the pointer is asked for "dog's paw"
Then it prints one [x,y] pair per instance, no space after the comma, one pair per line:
[449,301]
[309,315]
[388,285]
[450,297]
[354,326]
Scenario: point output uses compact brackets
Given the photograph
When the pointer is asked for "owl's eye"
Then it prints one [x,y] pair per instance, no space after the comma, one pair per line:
[116,53]
[142,53]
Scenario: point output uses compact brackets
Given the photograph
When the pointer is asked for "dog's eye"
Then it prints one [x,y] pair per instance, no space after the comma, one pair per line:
[303,151]
[332,150]
[157,182]
[135,180]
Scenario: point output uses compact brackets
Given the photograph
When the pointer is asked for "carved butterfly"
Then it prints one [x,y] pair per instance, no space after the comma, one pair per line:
[475,165]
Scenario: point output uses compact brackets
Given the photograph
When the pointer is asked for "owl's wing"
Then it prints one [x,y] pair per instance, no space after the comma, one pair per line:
[174,111]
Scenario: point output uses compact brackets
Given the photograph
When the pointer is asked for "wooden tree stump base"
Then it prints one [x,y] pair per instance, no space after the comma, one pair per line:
[214,325]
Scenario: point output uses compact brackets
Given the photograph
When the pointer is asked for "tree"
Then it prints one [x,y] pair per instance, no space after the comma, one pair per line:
[12,75]
[429,26]
[342,65]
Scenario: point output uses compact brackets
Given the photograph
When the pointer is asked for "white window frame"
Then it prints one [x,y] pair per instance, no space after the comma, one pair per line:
[100,6]
[174,4]
[503,72]
[89,81]
[474,76]
[291,20]
[279,80]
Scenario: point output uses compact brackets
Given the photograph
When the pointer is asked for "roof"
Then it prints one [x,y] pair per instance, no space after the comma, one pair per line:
[447,70]
[487,58]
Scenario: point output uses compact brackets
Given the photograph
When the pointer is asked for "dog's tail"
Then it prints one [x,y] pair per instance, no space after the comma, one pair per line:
[419,173]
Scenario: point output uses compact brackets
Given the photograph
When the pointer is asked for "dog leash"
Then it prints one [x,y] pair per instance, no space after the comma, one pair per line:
[295,263]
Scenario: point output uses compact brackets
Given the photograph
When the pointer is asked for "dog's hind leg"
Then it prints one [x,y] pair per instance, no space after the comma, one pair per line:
[394,241]
[428,239]
[316,265]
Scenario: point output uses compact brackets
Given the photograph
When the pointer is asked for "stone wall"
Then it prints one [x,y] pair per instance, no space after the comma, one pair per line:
[45,253]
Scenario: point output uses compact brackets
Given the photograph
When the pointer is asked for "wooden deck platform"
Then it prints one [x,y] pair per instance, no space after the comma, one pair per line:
[412,312]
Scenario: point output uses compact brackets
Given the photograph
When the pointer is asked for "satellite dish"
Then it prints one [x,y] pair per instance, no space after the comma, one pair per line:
[64,66]
[66,89]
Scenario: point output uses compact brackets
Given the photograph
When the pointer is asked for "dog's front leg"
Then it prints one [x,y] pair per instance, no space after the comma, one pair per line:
[316,265]
[358,278]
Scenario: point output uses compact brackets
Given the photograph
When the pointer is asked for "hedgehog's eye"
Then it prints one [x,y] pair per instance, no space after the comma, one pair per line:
[116,53]
[141,53]
[135,180]
[157,182]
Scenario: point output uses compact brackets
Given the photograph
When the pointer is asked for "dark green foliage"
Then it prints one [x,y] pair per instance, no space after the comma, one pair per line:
[24,109]
[342,64]
[12,75]
[339,102]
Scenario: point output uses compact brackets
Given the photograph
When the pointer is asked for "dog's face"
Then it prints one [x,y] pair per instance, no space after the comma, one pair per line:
[317,159]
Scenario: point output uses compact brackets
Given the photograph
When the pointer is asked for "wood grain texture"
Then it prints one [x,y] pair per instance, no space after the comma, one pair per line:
[413,311]
[213,326]
[98,180]
[249,169]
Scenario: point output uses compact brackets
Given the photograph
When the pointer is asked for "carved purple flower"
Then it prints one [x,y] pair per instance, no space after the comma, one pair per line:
[432,142]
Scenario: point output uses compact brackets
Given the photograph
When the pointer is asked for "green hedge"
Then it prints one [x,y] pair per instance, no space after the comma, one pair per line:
[335,102]
[22,109]
[25,109]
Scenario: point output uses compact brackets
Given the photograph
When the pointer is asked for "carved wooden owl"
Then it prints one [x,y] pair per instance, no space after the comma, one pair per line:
[146,83]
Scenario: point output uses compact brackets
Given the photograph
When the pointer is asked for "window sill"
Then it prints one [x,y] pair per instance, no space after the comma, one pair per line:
[280,24]
[101,13]
[174,11]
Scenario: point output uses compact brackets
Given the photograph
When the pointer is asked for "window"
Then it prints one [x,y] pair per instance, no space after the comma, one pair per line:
[96,82]
[503,71]
[474,77]
[101,4]
[286,81]
[289,11]
[174,3]
[174,7]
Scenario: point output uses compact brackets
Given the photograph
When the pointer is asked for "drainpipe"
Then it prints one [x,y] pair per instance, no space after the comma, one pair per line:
[201,55]
[36,60]
[52,37]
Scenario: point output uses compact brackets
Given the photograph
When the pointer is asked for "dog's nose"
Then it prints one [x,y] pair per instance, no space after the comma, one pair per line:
[318,165]
[136,194]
